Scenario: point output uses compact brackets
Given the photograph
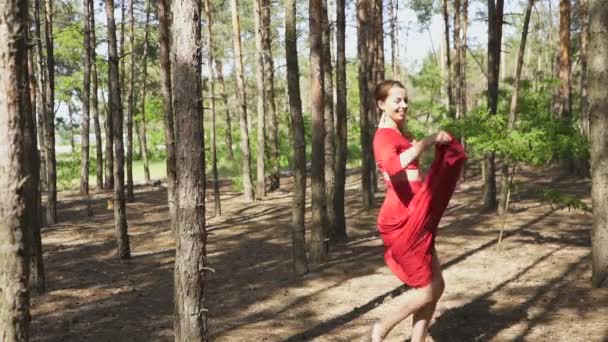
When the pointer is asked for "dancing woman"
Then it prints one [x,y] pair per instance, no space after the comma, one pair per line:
[412,209]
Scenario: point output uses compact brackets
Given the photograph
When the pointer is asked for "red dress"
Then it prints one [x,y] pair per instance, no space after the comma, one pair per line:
[411,211]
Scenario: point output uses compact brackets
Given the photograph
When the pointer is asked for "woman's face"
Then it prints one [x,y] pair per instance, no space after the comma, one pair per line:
[395,105]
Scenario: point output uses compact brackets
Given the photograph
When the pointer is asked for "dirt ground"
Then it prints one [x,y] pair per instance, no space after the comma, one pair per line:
[536,289]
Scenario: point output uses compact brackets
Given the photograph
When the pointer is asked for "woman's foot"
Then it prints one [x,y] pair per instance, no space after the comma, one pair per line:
[377,335]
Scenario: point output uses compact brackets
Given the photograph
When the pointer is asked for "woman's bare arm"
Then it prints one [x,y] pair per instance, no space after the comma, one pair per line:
[412,153]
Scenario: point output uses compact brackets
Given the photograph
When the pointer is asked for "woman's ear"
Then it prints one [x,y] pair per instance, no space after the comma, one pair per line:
[380,105]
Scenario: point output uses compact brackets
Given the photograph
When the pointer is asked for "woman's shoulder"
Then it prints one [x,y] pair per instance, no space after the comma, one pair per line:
[392,134]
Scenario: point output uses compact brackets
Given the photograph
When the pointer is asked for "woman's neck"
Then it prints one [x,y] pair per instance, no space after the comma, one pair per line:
[387,122]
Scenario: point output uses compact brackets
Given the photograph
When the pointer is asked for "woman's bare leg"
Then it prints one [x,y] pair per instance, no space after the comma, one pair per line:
[423,316]
[406,304]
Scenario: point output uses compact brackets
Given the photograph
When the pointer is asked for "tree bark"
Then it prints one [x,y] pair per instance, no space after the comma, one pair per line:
[584,117]
[216,188]
[165,83]
[143,141]
[565,89]
[131,104]
[341,124]
[269,97]
[495,19]
[49,129]
[261,109]
[123,59]
[392,5]
[598,110]
[457,65]
[513,109]
[298,240]
[242,98]
[94,100]
[41,89]
[34,200]
[364,102]
[564,105]
[330,135]
[375,74]
[379,53]
[86,100]
[318,250]
[109,146]
[15,177]
[70,126]
[120,211]
[220,78]
[190,262]
[464,24]
[447,62]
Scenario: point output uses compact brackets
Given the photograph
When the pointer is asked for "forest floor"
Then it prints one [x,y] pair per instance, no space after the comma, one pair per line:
[536,289]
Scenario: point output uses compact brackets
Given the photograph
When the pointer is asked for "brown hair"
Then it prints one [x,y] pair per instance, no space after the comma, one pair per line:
[382,89]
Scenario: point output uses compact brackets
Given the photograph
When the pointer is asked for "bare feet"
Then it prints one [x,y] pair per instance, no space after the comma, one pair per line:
[377,335]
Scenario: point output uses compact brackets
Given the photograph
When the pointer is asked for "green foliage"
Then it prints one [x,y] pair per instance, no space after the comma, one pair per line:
[424,11]
[559,199]
[538,138]
[68,170]
[429,78]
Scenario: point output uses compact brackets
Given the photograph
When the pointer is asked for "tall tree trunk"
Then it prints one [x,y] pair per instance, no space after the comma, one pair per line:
[447,62]
[330,147]
[318,251]
[393,6]
[565,103]
[341,124]
[464,23]
[376,69]
[94,100]
[49,129]
[364,101]
[165,88]
[190,322]
[34,201]
[463,72]
[70,126]
[565,87]
[143,142]
[242,98]
[514,100]
[216,187]
[261,110]
[131,103]
[584,116]
[109,146]
[457,65]
[86,100]
[553,57]
[273,125]
[495,19]
[598,110]
[298,240]
[41,89]
[123,59]
[120,211]
[495,15]
[15,177]
[228,136]
[379,53]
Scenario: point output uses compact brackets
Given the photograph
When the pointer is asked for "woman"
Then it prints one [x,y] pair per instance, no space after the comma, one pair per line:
[412,209]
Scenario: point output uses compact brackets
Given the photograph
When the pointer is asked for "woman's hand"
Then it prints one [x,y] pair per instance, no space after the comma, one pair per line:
[440,138]
[406,157]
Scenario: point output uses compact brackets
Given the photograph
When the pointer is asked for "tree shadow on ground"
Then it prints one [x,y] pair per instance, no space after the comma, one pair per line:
[479,321]
[94,294]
